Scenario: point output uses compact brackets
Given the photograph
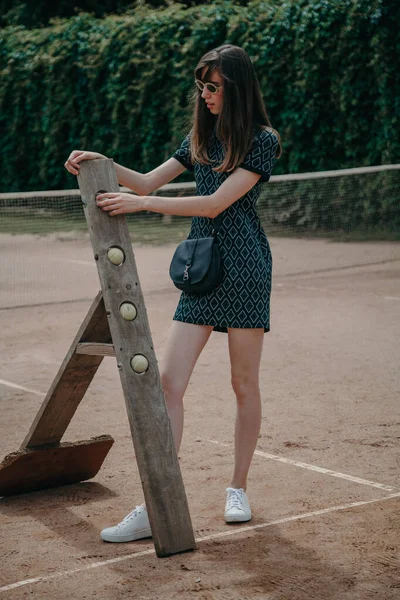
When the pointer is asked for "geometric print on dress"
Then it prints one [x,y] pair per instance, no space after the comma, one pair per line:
[243,298]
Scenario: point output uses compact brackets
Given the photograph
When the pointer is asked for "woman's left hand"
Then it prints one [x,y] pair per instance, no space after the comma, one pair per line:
[118,203]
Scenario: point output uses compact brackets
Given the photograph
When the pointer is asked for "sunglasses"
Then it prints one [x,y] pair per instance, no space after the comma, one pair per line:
[211,87]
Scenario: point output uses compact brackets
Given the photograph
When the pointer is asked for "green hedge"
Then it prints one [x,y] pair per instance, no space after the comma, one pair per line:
[41,12]
[120,85]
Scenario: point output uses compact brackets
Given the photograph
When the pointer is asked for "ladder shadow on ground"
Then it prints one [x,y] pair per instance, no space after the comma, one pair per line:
[54,509]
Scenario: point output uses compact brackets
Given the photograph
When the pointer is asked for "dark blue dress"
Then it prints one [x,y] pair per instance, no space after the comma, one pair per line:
[243,298]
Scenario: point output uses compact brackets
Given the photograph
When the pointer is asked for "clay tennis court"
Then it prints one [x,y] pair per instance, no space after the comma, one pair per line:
[325,481]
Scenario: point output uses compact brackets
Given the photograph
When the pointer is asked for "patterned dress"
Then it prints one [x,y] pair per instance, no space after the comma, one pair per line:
[243,298]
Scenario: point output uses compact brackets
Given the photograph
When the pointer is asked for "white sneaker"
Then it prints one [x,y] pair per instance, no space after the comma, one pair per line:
[237,507]
[135,526]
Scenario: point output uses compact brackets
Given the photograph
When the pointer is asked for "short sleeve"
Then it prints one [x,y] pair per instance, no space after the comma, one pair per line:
[261,157]
[183,154]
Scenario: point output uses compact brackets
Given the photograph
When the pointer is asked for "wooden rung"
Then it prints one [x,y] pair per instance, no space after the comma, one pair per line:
[95,349]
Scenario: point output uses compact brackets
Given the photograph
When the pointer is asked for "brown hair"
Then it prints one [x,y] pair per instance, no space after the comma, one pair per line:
[243,112]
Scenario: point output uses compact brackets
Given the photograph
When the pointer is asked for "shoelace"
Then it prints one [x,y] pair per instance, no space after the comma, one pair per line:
[235,498]
[134,513]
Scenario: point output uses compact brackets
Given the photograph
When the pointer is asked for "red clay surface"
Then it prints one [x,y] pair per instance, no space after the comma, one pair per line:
[330,386]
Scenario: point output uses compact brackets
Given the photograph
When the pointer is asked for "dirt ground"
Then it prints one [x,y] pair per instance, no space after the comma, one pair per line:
[325,481]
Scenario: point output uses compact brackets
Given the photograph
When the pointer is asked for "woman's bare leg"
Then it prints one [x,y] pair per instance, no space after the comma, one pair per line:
[245,348]
[184,346]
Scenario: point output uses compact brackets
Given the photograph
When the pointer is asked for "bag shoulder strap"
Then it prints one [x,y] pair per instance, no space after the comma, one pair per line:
[217,222]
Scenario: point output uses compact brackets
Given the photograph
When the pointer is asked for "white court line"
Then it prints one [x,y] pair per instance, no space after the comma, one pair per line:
[302,465]
[78,262]
[235,531]
[288,461]
[20,387]
[314,288]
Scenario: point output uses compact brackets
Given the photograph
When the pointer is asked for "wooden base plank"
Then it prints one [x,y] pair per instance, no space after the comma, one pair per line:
[30,470]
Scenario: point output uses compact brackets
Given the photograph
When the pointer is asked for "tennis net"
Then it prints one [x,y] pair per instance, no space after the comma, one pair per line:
[45,251]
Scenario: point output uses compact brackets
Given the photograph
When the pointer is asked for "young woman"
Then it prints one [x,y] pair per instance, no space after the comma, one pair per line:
[231,149]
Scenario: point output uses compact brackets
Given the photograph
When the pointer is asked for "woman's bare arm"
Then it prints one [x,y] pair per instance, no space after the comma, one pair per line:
[233,188]
[145,183]
[141,183]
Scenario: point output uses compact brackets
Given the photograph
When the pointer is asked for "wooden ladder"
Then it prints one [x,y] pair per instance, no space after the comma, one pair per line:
[116,325]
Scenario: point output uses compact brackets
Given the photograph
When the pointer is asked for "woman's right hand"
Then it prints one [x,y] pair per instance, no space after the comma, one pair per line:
[76,156]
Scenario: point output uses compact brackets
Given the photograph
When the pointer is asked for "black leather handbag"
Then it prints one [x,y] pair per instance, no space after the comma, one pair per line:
[196,266]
